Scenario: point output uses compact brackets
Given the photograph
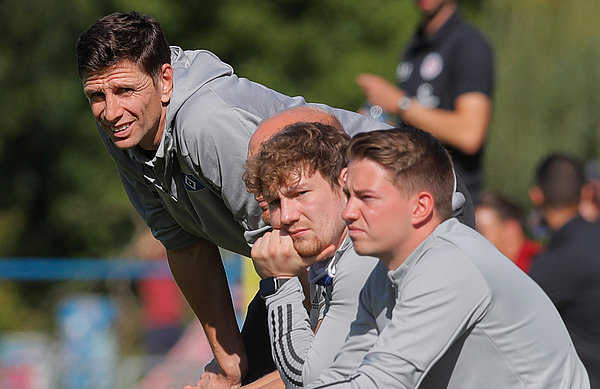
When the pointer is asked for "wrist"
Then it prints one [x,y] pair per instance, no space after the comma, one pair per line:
[232,373]
[270,285]
[403,104]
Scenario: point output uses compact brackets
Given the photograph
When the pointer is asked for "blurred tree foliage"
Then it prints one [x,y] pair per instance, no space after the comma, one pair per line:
[61,195]
[547,96]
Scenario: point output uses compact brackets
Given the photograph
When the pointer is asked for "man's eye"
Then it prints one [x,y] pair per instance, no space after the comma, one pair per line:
[366,198]
[96,96]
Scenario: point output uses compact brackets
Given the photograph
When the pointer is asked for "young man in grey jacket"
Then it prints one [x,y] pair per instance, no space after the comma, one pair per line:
[452,312]
[300,172]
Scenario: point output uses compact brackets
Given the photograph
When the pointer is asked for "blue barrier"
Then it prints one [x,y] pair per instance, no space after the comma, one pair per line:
[60,269]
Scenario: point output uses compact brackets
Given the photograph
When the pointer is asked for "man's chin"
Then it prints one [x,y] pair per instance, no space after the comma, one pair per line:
[123,144]
[307,249]
[363,249]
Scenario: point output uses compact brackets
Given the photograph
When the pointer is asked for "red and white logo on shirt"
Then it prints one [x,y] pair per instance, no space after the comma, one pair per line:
[432,66]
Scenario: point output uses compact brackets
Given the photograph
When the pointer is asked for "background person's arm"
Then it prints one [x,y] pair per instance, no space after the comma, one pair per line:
[464,128]
[199,272]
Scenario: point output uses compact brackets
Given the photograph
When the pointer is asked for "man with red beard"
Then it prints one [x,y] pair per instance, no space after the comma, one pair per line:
[300,173]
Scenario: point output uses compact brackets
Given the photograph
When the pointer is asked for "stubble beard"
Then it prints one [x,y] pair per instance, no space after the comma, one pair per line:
[314,244]
[309,247]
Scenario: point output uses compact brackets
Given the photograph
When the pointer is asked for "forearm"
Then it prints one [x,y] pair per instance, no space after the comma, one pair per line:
[464,128]
[199,272]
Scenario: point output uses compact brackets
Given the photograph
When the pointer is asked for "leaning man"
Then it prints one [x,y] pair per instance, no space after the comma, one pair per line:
[177,123]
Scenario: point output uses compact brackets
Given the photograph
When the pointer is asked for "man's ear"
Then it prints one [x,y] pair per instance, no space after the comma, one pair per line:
[342,177]
[536,196]
[587,192]
[424,208]
[166,82]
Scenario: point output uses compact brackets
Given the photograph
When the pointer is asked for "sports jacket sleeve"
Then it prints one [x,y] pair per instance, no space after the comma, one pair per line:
[290,332]
[301,355]
[213,129]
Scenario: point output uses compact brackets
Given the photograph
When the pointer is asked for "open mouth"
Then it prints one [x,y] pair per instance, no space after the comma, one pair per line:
[116,130]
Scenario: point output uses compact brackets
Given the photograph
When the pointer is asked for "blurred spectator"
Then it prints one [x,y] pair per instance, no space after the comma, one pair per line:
[162,302]
[445,81]
[501,222]
[569,269]
[589,207]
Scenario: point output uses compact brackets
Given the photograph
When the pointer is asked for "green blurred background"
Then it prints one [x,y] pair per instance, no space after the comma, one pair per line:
[61,195]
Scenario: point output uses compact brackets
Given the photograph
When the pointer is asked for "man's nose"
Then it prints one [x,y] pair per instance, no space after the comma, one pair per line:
[350,214]
[112,109]
[289,212]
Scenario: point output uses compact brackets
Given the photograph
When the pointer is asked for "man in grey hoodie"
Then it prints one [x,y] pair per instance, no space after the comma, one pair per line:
[177,123]
[452,311]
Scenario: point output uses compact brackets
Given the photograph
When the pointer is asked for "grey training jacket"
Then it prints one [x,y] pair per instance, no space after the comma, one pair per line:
[193,187]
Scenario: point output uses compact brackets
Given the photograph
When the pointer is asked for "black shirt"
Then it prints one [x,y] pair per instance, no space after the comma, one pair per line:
[438,69]
[569,272]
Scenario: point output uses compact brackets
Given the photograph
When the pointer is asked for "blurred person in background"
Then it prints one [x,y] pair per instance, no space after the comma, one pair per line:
[589,206]
[163,305]
[445,82]
[177,124]
[501,222]
[569,268]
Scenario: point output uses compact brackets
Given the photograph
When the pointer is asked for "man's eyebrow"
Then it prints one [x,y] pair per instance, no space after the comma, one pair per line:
[290,191]
[91,92]
[364,191]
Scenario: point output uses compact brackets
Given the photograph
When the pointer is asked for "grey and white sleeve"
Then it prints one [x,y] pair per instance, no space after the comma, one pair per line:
[290,332]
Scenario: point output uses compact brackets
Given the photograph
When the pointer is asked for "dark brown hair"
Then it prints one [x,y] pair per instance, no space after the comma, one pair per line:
[123,36]
[560,177]
[502,206]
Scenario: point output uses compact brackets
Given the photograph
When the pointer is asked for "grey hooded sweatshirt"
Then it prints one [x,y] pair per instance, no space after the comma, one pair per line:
[193,188]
